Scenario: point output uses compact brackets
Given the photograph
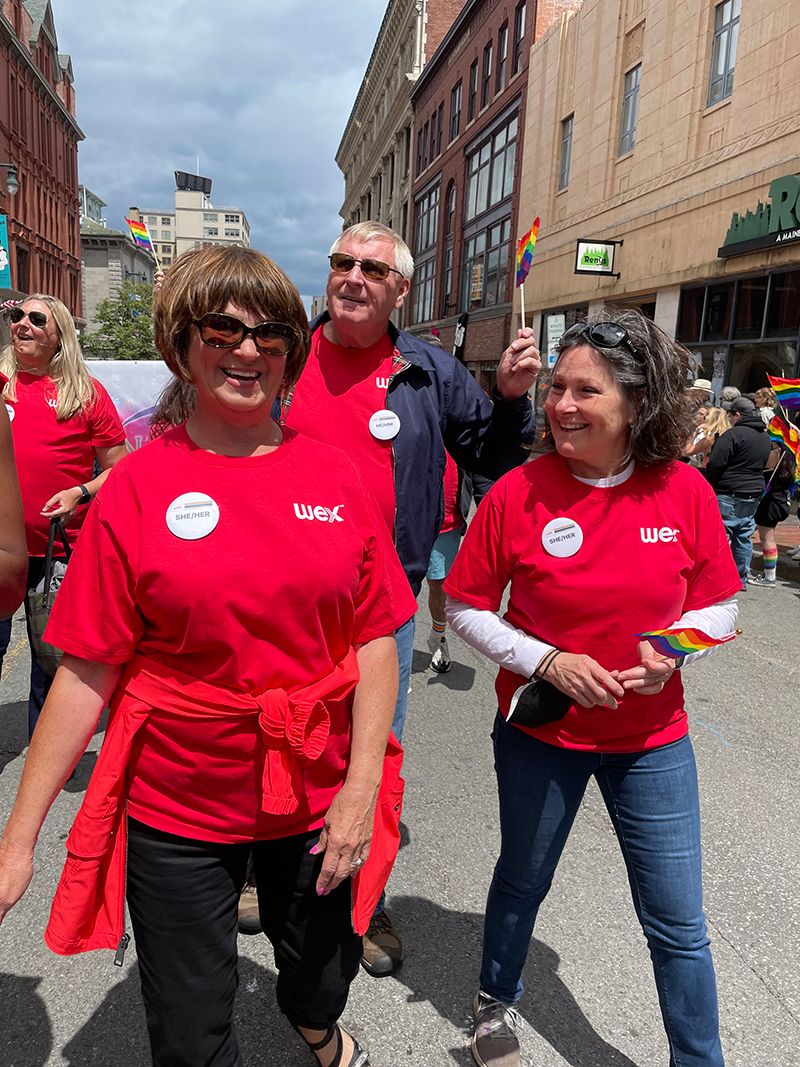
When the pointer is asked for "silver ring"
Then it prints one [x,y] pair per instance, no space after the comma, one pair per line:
[358,863]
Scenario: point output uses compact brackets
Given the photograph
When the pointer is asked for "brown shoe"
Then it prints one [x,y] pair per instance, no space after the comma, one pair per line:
[249,919]
[383,950]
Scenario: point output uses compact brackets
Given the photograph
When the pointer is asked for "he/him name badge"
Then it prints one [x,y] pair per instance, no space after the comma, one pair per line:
[562,537]
[384,425]
[191,516]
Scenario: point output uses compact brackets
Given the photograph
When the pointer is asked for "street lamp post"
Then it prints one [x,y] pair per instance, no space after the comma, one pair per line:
[12,184]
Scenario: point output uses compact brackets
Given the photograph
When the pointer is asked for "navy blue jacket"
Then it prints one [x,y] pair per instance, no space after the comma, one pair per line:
[441,407]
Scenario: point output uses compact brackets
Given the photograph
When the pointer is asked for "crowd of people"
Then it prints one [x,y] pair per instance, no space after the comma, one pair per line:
[242,596]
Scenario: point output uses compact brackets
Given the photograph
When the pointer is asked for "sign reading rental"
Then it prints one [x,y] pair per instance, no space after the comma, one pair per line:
[770,225]
[595,257]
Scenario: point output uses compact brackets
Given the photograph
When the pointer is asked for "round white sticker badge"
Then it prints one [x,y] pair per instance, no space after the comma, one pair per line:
[191,516]
[562,537]
[384,425]
[10,410]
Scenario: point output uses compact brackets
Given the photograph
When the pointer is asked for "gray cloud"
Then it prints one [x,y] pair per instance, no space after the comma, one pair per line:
[259,89]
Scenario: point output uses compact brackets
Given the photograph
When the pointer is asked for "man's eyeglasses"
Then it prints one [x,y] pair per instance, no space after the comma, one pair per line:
[601,335]
[370,268]
[225,331]
[35,318]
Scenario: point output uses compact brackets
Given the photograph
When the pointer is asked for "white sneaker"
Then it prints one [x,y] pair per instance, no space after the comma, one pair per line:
[440,660]
[795,554]
[494,1037]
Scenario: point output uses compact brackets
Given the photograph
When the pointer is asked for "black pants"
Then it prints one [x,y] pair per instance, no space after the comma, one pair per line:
[183,896]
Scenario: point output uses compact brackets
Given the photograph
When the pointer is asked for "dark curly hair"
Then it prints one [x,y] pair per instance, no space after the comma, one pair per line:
[653,382]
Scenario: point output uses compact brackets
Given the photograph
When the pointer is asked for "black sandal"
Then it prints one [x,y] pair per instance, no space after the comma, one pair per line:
[359,1057]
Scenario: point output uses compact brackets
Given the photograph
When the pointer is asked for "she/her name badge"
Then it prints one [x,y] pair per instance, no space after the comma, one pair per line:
[562,537]
[384,425]
[191,516]
[10,410]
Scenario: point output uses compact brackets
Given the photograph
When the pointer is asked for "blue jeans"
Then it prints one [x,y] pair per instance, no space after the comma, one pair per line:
[737,518]
[653,802]
[40,680]
[405,654]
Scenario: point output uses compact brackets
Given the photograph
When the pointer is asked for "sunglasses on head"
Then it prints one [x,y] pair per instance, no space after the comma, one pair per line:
[35,318]
[370,268]
[225,331]
[601,335]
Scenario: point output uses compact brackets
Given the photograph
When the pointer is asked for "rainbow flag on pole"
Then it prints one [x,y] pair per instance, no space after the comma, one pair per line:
[787,390]
[788,436]
[677,643]
[525,248]
[140,235]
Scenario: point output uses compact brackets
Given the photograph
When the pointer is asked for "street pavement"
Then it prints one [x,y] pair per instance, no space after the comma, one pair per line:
[590,999]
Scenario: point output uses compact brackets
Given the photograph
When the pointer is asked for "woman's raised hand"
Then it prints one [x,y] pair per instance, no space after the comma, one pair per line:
[652,673]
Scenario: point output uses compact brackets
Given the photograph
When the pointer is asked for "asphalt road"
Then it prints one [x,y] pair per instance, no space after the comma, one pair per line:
[590,999]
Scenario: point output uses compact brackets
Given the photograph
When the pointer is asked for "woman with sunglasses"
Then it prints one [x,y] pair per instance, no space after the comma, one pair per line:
[234,597]
[63,421]
[601,540]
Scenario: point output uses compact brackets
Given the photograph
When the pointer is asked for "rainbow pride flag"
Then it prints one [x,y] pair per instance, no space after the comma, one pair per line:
[787,390]
[785,434]
[140,234]
[525,248]
[682,642]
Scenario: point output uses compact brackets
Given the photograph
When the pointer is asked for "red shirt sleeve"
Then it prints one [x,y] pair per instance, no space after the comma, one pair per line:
[713,576]
[94,616]
[104,424]
[484,564]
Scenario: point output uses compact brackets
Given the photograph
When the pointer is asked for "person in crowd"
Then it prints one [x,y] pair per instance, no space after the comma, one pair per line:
[728,395]
[398,405]
[235,597]
[735,470]
[63,421]
[715,422]
[766,402]
[13,555]
[701,390]
[773,508]
[580,695]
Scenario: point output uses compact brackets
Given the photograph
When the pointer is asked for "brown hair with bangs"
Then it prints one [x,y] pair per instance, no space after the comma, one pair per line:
[206,280]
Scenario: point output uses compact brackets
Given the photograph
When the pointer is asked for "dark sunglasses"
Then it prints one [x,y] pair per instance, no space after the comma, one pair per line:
[224,331]
[35,318]
[370,268]
[601,335]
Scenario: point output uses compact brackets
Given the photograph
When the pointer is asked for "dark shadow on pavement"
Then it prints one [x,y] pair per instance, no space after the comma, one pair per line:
[26,1035]
[117,1034]
[460,677]
[448,978]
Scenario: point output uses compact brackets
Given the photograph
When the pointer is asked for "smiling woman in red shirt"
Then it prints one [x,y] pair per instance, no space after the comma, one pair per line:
[62,421]
[234,595]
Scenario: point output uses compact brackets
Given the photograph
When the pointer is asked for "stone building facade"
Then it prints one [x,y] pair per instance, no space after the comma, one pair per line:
[109,258]
[375,154]
[673,129]
[39,136]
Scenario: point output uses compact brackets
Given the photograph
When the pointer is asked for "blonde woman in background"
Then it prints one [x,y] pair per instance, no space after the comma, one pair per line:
[62,421]
[713,426]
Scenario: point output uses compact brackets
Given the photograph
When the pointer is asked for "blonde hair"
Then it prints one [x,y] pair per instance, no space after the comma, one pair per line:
[74,386]
[717,421]
[765,398]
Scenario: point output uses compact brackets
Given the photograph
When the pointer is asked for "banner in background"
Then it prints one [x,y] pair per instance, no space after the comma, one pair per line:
[5,255]
[135,386]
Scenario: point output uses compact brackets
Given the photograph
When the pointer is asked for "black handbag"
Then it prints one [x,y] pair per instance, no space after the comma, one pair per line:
[41,599]
[539,703]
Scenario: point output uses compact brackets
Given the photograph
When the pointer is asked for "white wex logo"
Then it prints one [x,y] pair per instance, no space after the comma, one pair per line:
[382,383]
[652,534]
[321,514]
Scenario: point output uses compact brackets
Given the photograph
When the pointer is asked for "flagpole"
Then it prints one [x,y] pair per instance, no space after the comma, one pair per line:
[152,245]
[522,304]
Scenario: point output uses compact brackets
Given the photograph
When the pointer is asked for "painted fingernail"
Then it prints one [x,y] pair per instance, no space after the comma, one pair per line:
[313,850]
[320,892]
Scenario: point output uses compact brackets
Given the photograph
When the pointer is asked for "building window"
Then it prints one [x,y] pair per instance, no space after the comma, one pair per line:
[455,110]
[490,169]
[210,231]
[447,279]
[152,220]
[630,106]
[391,174]
[166,235]
[166,220]
[209,216]
[487,75]
[519,37]
[424,285]
[450,209]
[502,57]
[230,232]
[427,215]
[407,150]
[473,91]
[723,51]
[439,128]
[487,257]
[566,152]
[232,218]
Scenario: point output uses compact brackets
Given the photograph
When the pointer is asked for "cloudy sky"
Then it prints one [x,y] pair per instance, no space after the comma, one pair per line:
[259,89]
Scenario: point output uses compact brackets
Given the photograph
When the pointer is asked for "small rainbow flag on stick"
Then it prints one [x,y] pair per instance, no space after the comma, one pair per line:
[677,643]
[785,434]
[140,234]
[525,248]
[787,390]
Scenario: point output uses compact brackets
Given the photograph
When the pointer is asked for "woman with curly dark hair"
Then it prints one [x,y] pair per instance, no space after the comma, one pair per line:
[603,539]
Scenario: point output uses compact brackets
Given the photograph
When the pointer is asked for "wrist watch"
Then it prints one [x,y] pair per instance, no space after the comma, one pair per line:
[86,496]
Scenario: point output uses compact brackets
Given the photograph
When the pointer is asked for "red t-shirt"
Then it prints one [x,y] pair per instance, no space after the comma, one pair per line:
[453,519]
[339,390]
[653,548]
[297,571]
[53,455]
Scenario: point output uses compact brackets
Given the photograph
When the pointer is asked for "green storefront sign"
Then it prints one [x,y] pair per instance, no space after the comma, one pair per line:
[770,225]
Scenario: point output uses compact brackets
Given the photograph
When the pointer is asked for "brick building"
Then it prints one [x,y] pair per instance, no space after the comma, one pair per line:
[469,115]
[375,152]
[39,137]
[675,129]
